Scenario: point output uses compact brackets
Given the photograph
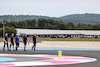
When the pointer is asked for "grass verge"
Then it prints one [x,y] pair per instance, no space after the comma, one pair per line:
[62,39]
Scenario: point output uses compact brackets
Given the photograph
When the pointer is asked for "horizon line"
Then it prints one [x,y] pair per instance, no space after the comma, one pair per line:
[43,15]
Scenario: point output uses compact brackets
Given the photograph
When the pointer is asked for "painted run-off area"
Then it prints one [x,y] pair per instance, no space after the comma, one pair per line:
[53,61]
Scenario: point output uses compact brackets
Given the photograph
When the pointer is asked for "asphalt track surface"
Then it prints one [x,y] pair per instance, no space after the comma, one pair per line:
[84,53]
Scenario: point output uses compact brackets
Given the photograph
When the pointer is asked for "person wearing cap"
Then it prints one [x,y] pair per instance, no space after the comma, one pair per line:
[34,42]
[25,41]
[12,41]
[6,42]
[17,42]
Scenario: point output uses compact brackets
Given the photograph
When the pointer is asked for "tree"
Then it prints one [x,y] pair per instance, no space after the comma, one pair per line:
[13,24]
[0,24]
[96,27]
[42,23]
[22,24]
[68,27]
[30,23]
[72,25]
[8,30]
[61,25]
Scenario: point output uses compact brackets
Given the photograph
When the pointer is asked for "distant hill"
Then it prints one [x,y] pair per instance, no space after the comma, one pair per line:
[75,18]
[20,17]
[82,18]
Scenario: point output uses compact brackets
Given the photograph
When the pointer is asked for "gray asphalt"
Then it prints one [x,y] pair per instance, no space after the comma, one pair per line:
[92,54]
[21,59]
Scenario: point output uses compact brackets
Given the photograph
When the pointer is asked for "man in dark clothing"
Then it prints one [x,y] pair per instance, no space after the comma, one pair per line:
[6,42]
[12,41]
[25,41]
[34,42]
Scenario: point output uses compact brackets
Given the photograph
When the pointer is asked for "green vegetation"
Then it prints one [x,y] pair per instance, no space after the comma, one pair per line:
[82,18]
[68,39]
[70,22]
[50,24]
[62,39]
[75,18]
[8,30]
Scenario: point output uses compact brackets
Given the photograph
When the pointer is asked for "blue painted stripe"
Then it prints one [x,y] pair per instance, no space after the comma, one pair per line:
[3,59]
[58,48]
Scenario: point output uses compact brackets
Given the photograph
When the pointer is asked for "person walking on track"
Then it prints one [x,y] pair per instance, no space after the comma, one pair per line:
[34,42]
[6,42]
[17,42]
[25,41]
[12,41]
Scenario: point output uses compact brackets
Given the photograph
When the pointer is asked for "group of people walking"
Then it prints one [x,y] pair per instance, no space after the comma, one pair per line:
[16,40]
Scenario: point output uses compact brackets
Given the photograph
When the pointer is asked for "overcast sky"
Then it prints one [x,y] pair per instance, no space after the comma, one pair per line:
[52,8]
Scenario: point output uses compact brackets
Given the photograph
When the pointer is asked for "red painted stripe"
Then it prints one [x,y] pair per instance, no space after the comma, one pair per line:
[5,64]
[60,62]
[57,56]
[78,58]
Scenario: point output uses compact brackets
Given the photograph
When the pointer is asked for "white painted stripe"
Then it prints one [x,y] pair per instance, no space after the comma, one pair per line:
[31,63]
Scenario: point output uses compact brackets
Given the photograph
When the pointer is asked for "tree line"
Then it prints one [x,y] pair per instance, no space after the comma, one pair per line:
[45,24]
[87,18]
[50,24]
